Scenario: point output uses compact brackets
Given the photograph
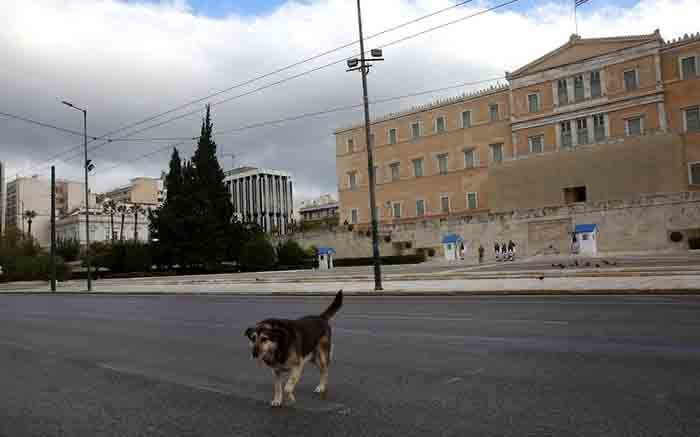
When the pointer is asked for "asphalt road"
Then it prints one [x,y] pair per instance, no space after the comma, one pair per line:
[503,366]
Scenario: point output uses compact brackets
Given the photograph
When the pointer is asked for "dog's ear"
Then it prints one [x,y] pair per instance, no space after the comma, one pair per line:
[250,333]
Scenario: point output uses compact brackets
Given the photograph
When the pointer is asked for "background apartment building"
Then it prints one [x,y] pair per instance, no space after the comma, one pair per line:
[3,201]
[34,194]
[325,207]
[594,120]
[141,190]
[261,196]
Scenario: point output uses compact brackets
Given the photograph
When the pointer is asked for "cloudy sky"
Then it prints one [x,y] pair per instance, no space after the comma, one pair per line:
[126,61]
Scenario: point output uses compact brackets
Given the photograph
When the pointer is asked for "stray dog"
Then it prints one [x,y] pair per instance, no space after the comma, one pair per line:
[286,345]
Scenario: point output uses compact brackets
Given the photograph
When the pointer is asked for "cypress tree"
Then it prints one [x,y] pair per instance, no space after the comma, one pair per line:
[211,202]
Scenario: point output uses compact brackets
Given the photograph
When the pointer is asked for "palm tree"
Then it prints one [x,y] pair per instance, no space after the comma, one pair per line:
[121,209]
[29,216]
[110,207]
[136,209]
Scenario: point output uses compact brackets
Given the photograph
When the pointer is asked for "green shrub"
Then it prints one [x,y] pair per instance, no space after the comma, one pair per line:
[290,253]
[257,254]
[121,257]
[68,249]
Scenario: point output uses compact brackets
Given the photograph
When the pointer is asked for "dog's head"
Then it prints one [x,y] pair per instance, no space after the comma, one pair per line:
[265,341]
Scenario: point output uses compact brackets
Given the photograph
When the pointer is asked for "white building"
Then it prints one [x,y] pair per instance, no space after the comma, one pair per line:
[102,227]
[261,196]
[34,194]
[323,208]
[3,200]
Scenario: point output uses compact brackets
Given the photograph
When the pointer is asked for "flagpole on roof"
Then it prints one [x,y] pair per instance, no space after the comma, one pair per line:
[575,18]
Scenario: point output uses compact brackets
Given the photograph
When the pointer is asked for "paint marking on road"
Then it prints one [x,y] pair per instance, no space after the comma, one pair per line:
[125,371]
[431,317]
[325,407]
[453,380]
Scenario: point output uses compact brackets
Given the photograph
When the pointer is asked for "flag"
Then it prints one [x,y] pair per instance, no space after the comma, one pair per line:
[579,2]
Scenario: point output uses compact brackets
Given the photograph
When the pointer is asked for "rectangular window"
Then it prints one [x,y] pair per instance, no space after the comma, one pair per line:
[493,112]
[442,163]
[575,194]
[351,145]
[633,126]
[354,216]
[393,136]
[417,167]
[445,204]
[578,88]
[396,210]
[582,131]
[692,120]
[694,173]
[395,171]
[415,130]
[420,208]
[440,124]
[496,152]
[352,179]
[565,134]
[596,90]
[563,92]
[631,82]
[599,127]
[536,144]
[472,202]
[689,68]
[376,174]
[469,161]
[533,102]
[466,119]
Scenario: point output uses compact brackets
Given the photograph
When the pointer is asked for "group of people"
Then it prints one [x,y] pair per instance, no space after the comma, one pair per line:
[504,252]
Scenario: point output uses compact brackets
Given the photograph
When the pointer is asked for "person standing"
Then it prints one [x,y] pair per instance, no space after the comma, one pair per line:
[511,250]
[481,254]
[497,250]
[504,252]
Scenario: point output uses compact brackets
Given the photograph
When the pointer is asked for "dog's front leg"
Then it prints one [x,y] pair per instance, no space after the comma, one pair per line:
[294,376]
[277,396]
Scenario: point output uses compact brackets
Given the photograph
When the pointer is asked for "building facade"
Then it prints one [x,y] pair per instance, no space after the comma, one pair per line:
[141,190]
[323,208]
[595,120]
[3,200]
[103,228]
[34,194]
[261,196]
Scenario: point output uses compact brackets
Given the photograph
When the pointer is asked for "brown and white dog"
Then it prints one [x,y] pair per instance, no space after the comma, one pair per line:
[286,345]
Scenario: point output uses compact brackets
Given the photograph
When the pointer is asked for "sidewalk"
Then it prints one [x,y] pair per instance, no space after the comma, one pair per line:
[677,284]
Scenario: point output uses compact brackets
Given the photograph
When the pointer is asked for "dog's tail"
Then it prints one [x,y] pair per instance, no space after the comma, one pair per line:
[334,306]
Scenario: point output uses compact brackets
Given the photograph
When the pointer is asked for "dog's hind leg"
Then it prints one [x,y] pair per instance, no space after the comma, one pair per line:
[277,396]
[323,361]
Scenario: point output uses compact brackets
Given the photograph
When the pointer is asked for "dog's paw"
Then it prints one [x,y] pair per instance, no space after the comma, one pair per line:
[321,391]
[290,396]
[275,403]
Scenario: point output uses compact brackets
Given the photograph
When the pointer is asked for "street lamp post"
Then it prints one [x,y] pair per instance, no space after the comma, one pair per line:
[376,55]
[88,167]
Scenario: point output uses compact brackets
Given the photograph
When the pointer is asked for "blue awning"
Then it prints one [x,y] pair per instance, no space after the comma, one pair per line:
[326,250]
[451,238]
[585,228]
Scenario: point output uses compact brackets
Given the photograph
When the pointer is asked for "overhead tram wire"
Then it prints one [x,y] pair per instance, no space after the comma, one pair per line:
[304,73]
[254,79]
[43,124]
[184,140]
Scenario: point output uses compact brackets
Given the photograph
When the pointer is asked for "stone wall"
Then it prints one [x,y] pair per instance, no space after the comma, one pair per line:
[639,225]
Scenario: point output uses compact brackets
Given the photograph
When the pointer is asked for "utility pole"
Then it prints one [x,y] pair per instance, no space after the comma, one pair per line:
[376,55]
[88,167]
[53,228]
